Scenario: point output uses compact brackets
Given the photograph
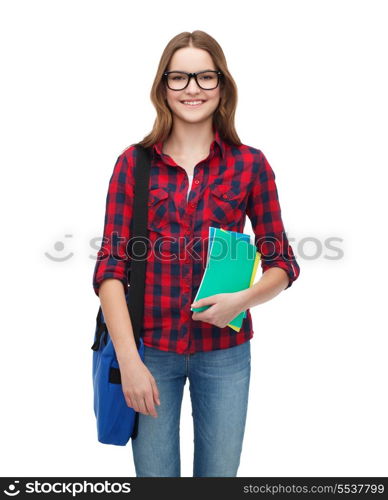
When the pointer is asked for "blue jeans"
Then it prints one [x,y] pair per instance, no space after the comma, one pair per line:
[219,386]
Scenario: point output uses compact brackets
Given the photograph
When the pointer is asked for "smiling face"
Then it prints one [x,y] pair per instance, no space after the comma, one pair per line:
[192,60]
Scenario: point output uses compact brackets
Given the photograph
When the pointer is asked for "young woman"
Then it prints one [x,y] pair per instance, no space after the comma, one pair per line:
[193,138]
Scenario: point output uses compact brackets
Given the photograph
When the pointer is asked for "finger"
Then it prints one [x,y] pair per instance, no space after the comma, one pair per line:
[155,392]
[129,402]
[150,405]
[135,404]
[142,406]
[200,315]
[204,302]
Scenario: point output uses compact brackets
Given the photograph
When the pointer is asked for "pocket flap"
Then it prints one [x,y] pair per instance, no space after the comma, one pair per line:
[156,195]
[226,192]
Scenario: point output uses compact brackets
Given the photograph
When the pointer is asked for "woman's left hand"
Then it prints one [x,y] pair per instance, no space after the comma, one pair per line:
[223,308]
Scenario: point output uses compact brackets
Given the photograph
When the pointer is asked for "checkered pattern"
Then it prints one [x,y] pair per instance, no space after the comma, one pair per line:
[232,182]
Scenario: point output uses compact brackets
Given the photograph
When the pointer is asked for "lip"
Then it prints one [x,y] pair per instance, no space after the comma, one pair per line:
[193,105]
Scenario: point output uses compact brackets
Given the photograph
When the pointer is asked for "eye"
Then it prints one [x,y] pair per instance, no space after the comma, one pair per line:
[207,76]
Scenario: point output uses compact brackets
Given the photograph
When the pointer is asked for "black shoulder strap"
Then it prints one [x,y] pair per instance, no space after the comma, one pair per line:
[138,250]
[139,241]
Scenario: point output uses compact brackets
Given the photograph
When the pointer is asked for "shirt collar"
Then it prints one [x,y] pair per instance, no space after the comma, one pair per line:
[158,147]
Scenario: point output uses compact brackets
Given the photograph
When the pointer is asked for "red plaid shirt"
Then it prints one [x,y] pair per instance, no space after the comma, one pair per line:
[232,182]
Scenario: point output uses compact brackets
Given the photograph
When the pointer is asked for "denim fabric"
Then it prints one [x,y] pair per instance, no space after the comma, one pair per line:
[219,387]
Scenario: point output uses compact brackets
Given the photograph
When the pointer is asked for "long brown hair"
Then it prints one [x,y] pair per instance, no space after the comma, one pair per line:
[223,117]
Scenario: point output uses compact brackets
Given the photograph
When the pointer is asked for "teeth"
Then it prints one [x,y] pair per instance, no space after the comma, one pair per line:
[192,102]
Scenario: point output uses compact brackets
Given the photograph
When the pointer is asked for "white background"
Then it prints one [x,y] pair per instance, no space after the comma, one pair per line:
[312,80]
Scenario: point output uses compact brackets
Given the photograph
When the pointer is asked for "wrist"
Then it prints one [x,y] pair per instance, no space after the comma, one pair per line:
[250,296]
[243,299]
[128,356]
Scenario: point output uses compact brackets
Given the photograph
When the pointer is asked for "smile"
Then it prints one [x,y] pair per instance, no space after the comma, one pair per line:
[193,104]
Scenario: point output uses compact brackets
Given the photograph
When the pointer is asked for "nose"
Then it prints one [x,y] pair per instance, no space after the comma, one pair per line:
[192,86]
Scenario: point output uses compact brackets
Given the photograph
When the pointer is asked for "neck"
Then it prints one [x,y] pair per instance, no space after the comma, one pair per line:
[188,139]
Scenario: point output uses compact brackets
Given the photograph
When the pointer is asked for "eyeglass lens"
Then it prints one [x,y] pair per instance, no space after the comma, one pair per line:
[178,81]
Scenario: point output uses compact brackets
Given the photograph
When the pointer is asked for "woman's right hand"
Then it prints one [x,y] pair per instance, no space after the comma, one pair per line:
[139,386]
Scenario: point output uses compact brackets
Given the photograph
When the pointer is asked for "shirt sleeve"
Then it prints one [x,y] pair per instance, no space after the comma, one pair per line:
[113,257]
[263,209]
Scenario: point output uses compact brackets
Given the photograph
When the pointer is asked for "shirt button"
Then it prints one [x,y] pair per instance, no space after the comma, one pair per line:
[196,181]
[224,195]
[192,205]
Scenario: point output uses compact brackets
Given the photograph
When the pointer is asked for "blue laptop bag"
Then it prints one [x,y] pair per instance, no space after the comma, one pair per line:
[116,421]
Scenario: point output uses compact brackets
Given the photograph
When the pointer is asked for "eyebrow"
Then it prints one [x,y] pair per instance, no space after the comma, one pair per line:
[181,71]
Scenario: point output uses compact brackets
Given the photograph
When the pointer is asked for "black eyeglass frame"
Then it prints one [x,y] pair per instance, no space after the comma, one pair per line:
[190,75]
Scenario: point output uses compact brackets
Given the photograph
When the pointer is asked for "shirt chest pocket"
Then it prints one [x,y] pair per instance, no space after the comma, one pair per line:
[161,209]
[226,204]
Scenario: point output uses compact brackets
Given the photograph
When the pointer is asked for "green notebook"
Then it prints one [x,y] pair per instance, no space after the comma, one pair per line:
[231,266]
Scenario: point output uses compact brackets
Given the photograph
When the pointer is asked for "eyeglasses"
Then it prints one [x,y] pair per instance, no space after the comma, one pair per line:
[179,80]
